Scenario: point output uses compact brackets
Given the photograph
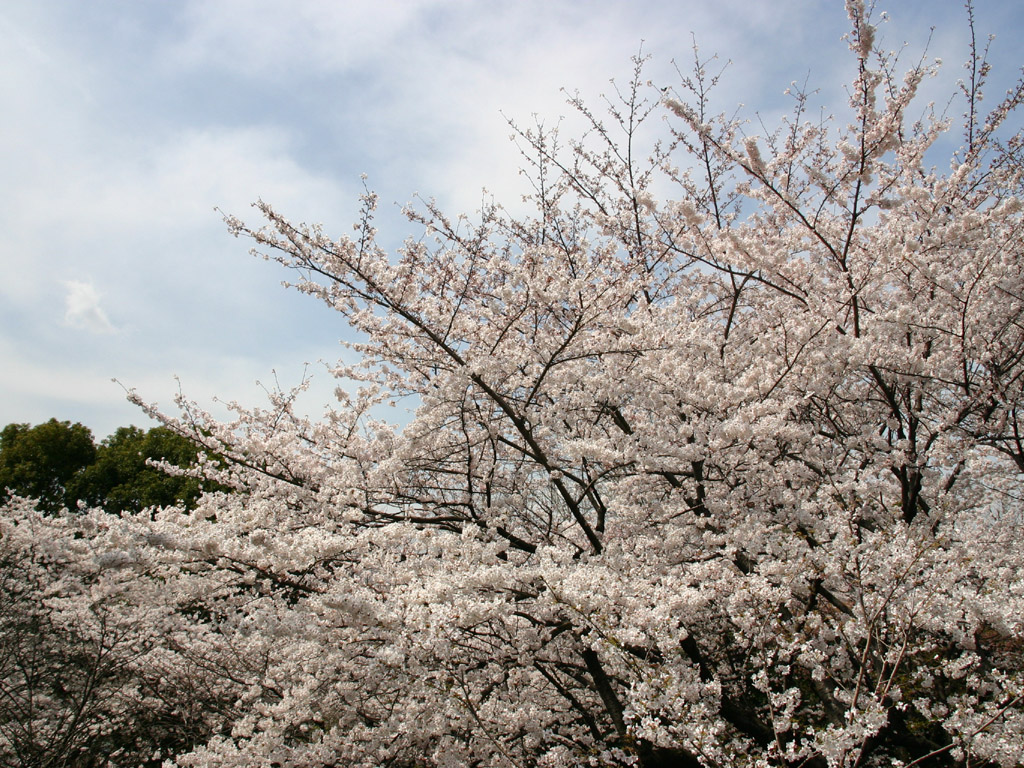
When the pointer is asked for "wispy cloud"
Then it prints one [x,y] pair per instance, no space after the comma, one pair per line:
[83,310]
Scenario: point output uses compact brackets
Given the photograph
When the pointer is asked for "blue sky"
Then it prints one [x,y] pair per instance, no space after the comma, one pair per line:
[125,123]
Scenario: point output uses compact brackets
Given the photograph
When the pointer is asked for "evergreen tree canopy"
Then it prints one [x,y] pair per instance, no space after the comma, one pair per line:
[42,462]
[58,464]
[122,477]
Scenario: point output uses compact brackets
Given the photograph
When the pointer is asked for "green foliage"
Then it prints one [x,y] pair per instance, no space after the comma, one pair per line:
[122,479]
[43,461]
[58,464]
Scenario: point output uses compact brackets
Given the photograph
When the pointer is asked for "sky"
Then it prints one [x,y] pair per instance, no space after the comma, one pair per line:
[128,124]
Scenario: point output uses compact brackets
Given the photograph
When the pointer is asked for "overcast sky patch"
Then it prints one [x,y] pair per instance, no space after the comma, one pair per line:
[129,122]
[83,310]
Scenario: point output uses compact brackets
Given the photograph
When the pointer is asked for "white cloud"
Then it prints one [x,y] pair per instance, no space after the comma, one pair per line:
[83,310]
[275,40]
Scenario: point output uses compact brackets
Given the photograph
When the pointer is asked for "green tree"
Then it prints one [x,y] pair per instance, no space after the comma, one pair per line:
[43,461]
[122,478]
[58,464]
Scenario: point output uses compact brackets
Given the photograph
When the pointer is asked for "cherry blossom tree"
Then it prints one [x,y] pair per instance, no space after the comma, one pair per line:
[715,459]
[96,667]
